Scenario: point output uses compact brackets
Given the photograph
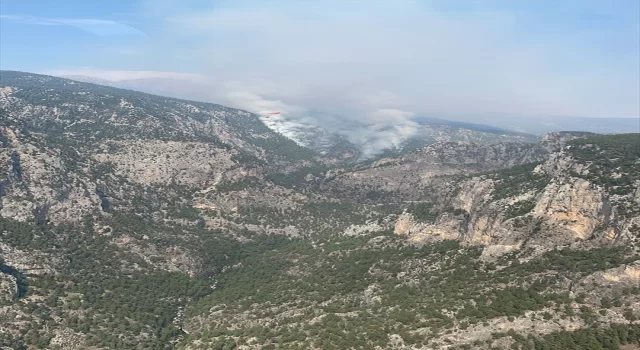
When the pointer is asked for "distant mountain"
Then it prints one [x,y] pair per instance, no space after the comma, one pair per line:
[466,125]
[540,125]
[92,80]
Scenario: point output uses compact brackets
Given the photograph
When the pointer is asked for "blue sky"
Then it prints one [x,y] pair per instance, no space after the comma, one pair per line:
[525,57]
[39,35]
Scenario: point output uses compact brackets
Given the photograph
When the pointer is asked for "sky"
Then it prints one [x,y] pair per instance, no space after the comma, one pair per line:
[380,62]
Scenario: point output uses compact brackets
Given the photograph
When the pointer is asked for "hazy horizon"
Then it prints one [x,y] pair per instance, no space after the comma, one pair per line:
[379,63]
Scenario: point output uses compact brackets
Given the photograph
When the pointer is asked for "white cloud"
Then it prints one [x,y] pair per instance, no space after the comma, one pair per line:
[99,27]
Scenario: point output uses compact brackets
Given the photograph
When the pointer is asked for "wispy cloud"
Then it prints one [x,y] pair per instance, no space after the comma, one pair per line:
[99,27]
[123,75]
[363,56]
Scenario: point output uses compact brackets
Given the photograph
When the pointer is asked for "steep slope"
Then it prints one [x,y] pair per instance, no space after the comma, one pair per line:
[65,141]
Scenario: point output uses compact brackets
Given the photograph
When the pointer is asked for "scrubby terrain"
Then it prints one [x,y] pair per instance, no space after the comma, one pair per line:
[132,221]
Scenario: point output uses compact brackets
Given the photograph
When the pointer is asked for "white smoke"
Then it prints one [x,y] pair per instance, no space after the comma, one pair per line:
[290,121]
[372,132]
[390,129]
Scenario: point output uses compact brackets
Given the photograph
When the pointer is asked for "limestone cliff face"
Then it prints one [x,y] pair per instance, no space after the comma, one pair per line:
[407,226]
[564,208]
[575,205]
[473,194]
[628,273]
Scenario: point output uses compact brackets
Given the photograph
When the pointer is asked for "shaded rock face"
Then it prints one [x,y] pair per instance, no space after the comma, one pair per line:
[420,175]
[8,288]
[479,222]
[43,191]
[473,194]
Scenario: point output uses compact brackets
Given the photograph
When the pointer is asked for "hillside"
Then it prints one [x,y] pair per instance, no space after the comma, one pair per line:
[132,221]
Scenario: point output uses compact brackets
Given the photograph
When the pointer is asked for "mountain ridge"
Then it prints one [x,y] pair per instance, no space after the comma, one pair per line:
[309,131]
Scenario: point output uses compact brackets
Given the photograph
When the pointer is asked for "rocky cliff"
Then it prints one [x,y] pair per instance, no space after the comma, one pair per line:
[547,204]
